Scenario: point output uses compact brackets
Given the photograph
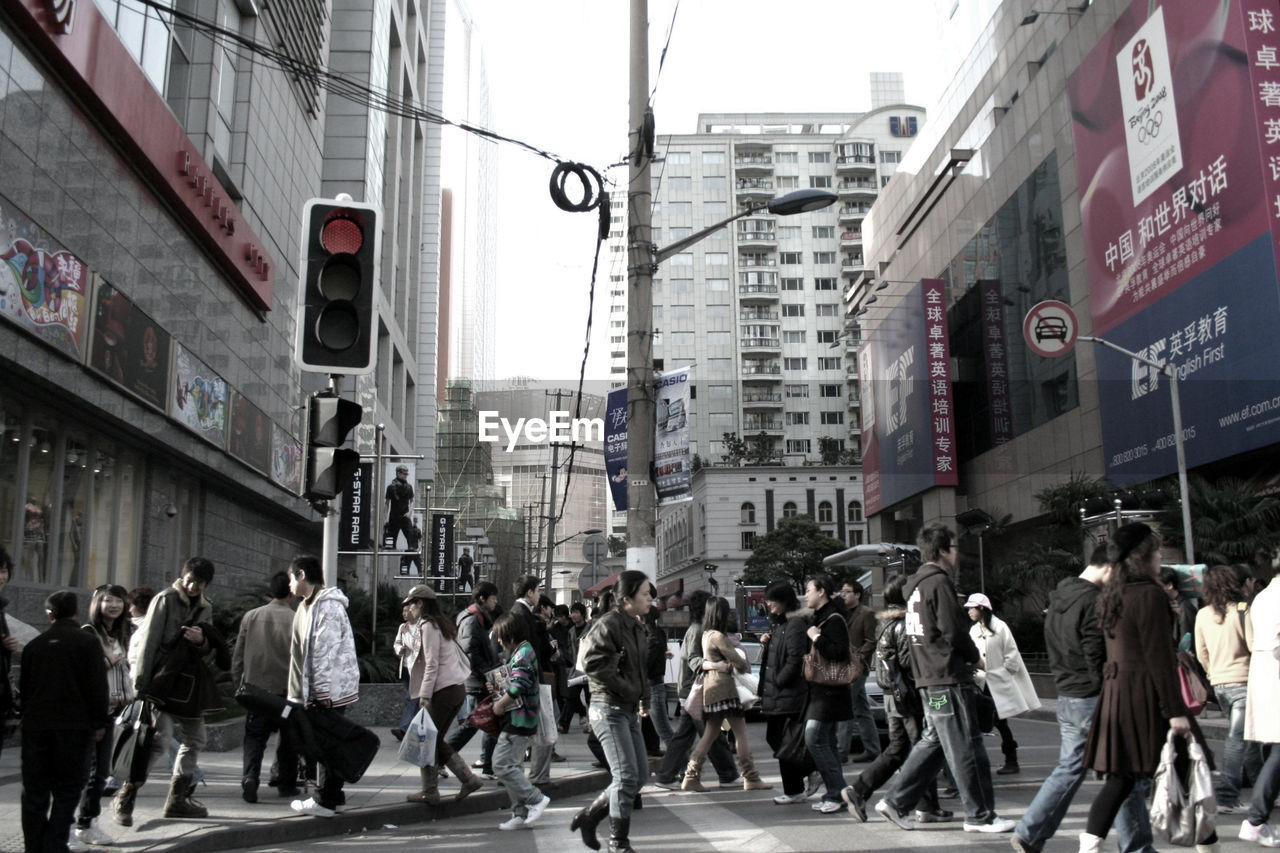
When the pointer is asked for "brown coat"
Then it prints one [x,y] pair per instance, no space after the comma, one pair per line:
[719,686]
[1139,685]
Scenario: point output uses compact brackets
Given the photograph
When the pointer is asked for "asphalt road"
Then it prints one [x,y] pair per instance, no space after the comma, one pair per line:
[734,820]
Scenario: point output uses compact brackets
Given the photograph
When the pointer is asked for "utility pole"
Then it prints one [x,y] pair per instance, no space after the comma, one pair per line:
[642,501]
[542,504]
[551,507]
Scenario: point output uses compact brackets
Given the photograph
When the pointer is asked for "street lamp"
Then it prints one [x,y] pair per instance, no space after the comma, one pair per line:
[551,549]
[710,569]
[979,521]
[644,259]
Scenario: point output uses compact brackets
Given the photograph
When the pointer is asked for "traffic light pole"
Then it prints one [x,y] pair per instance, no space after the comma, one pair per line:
[329,548]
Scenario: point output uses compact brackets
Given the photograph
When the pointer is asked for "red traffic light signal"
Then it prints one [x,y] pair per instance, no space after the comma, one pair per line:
[338,275]
[330,467]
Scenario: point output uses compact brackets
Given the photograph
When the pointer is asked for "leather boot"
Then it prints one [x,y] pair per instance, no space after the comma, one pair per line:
[179,802]
[751,780]
[693,777]
[122,804]
[470,781]
[430,793]
[619,829]
[589,818]
[1090,843]
[1010,760]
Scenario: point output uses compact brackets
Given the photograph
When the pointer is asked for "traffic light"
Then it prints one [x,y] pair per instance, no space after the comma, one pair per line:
[338,274]
[329,466]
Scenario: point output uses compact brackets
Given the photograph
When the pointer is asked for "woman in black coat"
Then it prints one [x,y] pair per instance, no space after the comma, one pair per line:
[828,704]
[783,690]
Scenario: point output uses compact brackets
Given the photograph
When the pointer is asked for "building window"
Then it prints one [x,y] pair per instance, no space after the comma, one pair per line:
[792,310]
[786,157]
[831,418]
[716,259]
[797,390]
[748,513]
[827,336]
[787,182]
[795,364]
[715,209]
[819,156]
[825,513]
[829,363]
[789,510]
[717,285]
[828,390]
[713,158]
[797,418]
[819,182]
[824,232]
[788,232]
[682,184]
[855,511]
[715,183]
[679,210]
[824,257]
[828,310]
[855,537]
[790,258]
[799,445]
[825,284]
[678,158]
[748,540]
[793,283]
[890,156]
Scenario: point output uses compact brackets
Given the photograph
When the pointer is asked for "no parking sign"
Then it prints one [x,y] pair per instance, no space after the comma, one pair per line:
[1050,328]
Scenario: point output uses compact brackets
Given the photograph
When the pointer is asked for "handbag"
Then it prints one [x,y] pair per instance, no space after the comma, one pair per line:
[791,747]
[693,702]
[547,734]
[748,689]
[819,670]
[1183,808]
[418,747]
[135,730]
[485,718]
[1194,689]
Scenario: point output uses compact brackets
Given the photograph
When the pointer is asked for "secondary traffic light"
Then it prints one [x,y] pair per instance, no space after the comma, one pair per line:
[338,274]
[329,465]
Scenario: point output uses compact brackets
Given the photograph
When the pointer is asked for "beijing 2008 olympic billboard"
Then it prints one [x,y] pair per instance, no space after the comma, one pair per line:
[1176,120]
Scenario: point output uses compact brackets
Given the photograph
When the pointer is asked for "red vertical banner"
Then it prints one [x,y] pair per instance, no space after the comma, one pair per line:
[1262,46]
[996,358]
[933,293]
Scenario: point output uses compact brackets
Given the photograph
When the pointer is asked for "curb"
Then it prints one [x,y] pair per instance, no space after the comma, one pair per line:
[257,833]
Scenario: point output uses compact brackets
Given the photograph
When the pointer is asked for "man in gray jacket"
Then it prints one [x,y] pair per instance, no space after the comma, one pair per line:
[261,658]
[689,730]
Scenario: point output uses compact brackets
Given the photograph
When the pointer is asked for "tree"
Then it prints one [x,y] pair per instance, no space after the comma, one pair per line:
[1228,520]
[792,551]
[829,450]
[735,450]
[698,464]
[761,450]
[617,546]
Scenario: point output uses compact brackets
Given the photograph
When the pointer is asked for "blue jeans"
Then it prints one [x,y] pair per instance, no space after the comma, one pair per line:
[862,719]
[1265,789]
[658,712]
[619,734]
[1231,698]
[409,711]
[820,738]
[508,766]
[951,737]
[463,731]
[1045,814]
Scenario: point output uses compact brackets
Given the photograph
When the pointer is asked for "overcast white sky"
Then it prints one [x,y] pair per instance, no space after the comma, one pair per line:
[558,72]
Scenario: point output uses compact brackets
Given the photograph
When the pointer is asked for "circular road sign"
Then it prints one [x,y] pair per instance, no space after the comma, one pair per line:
[1050,328]
[595,548]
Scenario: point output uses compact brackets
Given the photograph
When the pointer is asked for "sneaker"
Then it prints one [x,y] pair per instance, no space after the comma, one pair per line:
[536,810]
[311,807]
[75,845]
[1262,835]
[477,764]
[398,734]
[789,799]
[995,825]
[826,806]
[670,784]
[949,793]
[515,822]
[892,815]
[1017,842]
[92,834]
[856,802]
[812,784]
[933,816]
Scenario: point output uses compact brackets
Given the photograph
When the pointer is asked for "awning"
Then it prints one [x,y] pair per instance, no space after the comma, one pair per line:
[675,587]
[594,592]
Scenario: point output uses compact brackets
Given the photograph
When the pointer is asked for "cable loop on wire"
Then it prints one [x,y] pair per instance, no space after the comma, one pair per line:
[589,178]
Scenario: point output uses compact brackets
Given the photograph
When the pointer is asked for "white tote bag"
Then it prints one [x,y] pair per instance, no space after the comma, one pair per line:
[547,734]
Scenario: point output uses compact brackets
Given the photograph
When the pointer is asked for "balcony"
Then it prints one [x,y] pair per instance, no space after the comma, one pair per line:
[764,369]
[757,314]
[858,188]
[757,232]
[851,370]
[851,239]
[851,264]
[853,212]
[753,261]
[761,400]
[754,425]
[854,401]
[753,163]
[760,343]
[758,292]
[855,164]
[754,190]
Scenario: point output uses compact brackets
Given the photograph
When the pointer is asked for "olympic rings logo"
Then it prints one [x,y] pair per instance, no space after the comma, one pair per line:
[1150,128]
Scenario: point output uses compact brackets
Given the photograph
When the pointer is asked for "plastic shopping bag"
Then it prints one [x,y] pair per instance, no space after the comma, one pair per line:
[748,686]
[419,745]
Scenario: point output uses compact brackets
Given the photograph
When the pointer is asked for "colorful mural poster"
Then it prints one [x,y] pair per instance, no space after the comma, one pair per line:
[249,436]
[128,347]
[1176,120]
[672,461]
[199,397]
[286,460]
[44,289]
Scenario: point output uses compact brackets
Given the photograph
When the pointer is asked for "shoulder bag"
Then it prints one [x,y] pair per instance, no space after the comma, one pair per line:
[819,670]
[1192,685]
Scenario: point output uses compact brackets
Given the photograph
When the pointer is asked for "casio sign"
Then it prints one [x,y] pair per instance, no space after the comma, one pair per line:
[672,380]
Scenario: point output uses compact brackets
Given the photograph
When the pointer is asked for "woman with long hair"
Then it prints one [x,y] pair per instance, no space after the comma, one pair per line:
[406,648]
[1140,700]
[614,655]
[1001,674]
[107,621]
[720,702]
[518,705]
[437,678]
[829,705]
[1222,638]
[783,690]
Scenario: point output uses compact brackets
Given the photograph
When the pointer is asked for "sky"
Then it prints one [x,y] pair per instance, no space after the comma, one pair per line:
[558,78]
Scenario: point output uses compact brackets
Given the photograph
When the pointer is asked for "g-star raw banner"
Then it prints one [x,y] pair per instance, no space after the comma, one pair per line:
[673,466]
[357,511]
[615,447]
[442,554]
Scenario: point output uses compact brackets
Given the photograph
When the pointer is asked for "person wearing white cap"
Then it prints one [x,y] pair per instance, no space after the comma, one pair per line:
[1001,674]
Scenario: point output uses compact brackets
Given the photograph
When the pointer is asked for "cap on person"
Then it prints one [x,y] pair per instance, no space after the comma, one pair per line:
[978,600]
[419,591]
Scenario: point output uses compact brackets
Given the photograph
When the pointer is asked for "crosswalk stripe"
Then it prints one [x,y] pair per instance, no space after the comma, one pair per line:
[721,828]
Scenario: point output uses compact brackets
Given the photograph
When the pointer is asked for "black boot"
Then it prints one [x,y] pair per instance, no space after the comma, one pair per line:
[1010,760]
[588,818]
[636,804]
[619,829]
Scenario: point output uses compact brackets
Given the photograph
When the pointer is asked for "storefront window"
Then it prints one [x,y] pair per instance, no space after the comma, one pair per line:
[10,445]
[75,487]
[37,512]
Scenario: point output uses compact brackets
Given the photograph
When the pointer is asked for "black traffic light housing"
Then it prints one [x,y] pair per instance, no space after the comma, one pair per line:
[338,276]
[330,467]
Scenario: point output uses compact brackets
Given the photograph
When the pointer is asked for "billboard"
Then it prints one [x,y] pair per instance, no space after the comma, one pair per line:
[672,461]
[1176,120]
[198,398]
[128,347]
[905,375]
[615,447]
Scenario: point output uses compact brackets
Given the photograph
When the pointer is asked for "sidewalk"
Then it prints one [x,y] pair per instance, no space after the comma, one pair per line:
[375,801]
